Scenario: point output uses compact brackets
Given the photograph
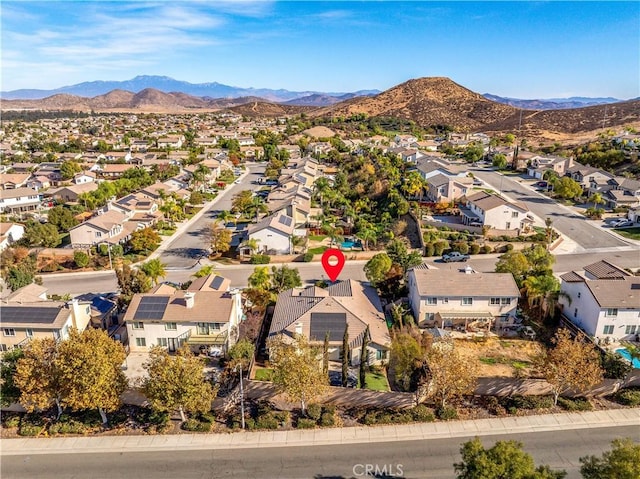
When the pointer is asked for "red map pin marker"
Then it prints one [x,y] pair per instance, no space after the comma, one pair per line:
[333,262]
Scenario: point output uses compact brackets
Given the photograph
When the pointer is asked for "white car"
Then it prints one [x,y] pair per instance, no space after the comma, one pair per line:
[621,223]
[528,332]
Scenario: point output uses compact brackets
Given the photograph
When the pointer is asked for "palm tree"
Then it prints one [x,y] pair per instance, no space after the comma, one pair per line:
[297,241]
[258,206]
[226,216]
[597,199]
[260,278]
[542,290]
[204,271]
[366,235]
[251,244]
[154,269]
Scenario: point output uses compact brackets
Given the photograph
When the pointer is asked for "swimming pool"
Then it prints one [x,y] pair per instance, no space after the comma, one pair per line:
[625,354]
[351,244]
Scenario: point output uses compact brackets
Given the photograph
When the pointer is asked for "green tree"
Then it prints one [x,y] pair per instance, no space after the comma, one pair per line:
[400,255]
[344,356]
[242,202]
[91,376]
[505,460]
[405,355]
[62,218]
[38,376]
[451,376]
[567,188]
[144,240]
[622,462]
[68,169]
[9,391]
[514,262]
[131,281]
[219,238]
[570,365]
[177,382]
[81,259]
[377,268]
[473,153]
[500,161]
[204,271]
[241,354]
[260,278]
[364,358]
[284,278]
[597,199]
[38,234]
[542,290]
[226,217]
[154,269]
[297,372]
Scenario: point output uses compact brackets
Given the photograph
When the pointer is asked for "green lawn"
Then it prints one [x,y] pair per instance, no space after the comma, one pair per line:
[263,374]
[377,381]
[317,237]
[631,233]
[318,250]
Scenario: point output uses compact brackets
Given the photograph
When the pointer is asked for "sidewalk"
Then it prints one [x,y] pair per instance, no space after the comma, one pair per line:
[317,437]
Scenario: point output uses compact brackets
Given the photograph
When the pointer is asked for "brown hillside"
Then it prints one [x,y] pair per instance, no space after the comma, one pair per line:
[428,101]
[160,100]
[113,99]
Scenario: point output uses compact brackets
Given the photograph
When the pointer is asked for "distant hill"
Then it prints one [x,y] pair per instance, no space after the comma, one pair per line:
[320,99]
[440,101]
[167,85]
[551,103]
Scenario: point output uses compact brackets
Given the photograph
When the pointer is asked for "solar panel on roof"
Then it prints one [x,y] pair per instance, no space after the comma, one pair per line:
[15,314]
[151,307]
[217,282]
[333,323]
[635,286]
[285,220]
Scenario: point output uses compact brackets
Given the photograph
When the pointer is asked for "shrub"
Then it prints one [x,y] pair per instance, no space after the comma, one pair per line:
[494,407]
[527,402]
[439,247]
[196,426]
[90,418]
[305,423]
[422,413]
[282,417]
[576,404]
[508,247]
[474,248]
[71,427]
[330,408]
[260,259]
[81,259]
[486,249]
[12,421]
[314,411]
[267,421]
[429,249]
[627,397]
[614,366]
[461,246]
[327,419]
[307,257]
[447,413]
[30,429]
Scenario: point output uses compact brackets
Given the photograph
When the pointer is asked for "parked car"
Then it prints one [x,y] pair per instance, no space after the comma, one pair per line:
[541,184]
[477,182]
[621,223]
[454,256]
[527,332]
[475,223]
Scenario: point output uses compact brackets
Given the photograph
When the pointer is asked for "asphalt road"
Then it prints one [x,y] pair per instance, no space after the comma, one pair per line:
[187,248]
[408,459]
[564,219]
[105,282]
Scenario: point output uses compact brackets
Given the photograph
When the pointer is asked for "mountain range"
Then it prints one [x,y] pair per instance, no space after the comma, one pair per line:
[216,90]
[426,101]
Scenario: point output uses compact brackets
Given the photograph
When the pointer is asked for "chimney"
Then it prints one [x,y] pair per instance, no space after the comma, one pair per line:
[299,328]
[190,299]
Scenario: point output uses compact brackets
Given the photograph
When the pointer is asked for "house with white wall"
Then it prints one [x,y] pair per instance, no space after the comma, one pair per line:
[205,317]
[9,234]
[273,233]
[19,200]
[496,212]
[603,301]
[461,298]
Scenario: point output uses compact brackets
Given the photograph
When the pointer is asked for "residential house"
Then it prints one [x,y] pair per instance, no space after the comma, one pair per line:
[72,193]
[584,174]
[11,181]
[138,208]
[603,301]
[111,171]
[616,191]
[446,188]
[26,314]
[9,234]
[405,141]
[84,177]
[634,214]
[39,182]
[273,233]
[205,317]
[314,312]
[110,227]
[539,165]
[171,141]
[496,212]
[19,200]
[462,299]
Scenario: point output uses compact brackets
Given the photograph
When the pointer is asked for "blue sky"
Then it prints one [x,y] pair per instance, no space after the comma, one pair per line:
[522,49]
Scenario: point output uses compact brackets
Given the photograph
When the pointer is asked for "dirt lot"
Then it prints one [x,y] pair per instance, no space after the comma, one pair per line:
[500,357]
